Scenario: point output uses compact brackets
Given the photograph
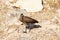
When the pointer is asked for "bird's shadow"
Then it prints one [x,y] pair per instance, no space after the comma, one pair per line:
[36,26]
[32,27]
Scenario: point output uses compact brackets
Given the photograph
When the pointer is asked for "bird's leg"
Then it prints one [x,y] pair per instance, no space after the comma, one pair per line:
[27,29]
[22,20]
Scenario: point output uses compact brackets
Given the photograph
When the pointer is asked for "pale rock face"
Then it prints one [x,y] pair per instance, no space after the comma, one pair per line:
[29,5]
[32,5]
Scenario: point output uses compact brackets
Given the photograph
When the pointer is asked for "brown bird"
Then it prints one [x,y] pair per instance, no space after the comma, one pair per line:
[28,21]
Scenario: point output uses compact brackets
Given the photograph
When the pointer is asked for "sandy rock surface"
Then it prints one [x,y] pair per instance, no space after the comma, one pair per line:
[49,20]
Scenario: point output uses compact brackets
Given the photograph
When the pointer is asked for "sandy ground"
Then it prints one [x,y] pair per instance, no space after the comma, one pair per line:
[49,20]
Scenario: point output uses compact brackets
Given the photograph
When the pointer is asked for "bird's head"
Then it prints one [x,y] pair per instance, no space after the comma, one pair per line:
[21,15]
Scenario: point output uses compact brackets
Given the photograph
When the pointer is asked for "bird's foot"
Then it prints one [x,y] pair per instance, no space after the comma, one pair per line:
[26,31]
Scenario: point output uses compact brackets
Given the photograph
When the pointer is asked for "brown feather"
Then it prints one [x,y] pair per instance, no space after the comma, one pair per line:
[27,19]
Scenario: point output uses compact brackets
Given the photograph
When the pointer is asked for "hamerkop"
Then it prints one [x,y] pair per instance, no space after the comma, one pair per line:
[27,21]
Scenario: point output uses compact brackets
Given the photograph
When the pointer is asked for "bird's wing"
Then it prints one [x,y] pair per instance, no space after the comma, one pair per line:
[28,19]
